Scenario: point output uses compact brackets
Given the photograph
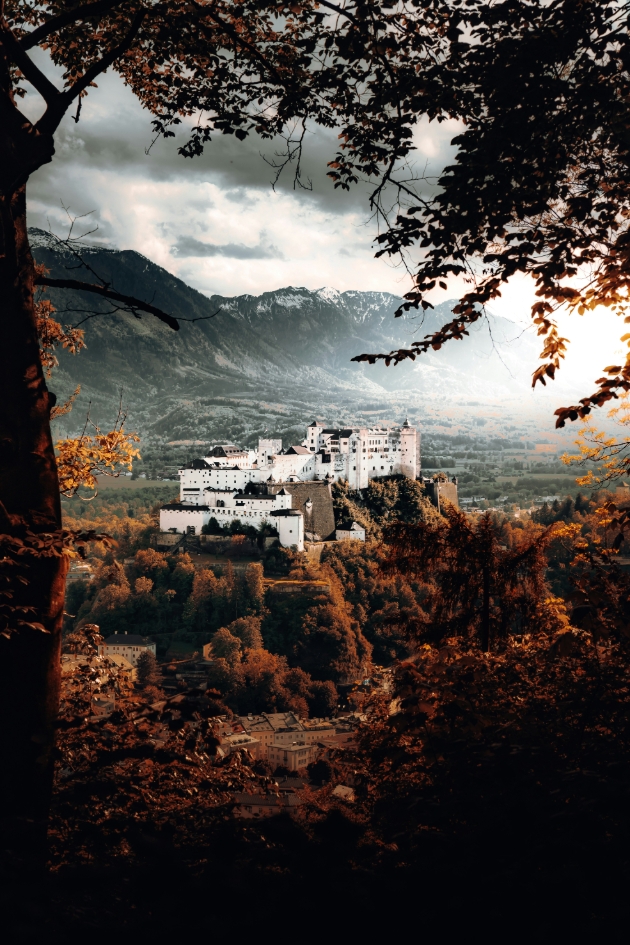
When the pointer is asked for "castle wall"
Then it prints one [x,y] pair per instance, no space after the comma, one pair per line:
[184,520]
[319,518]
[440,491]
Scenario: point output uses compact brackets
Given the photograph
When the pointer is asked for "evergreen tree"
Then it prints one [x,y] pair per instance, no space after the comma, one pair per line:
[147,670]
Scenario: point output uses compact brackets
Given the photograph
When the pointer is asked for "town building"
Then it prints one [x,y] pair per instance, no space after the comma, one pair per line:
[344,793]
[250,806]
[279,730]
[351,532]
[103,704]
[79,571]
[293,755]
[258,727]
[125,669]
[129,645]
[240,740]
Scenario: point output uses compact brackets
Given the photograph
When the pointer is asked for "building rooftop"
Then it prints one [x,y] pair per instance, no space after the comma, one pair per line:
[282,720]
[319,516]
[256,724]
[227,451]
[185,507]
[297,450]
[196,464]
[127,639]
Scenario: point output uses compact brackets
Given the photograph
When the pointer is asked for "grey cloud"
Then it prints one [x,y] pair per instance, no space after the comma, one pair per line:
[115,134]
[188,246]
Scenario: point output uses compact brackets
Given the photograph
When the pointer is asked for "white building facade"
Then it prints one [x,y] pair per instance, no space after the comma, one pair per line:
[356,455]
[290,525]
[232,483]
[129,645]
[200,503]
[351,532]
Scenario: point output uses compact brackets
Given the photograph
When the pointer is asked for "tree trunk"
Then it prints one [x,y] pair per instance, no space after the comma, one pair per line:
[29,493]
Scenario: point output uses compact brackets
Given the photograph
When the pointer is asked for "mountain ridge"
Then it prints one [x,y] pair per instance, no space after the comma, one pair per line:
[291,345]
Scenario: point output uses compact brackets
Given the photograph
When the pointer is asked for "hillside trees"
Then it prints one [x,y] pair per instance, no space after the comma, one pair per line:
[392,498]
[482,590]
[387,606]
[494,763]
[147,671]
[255,680]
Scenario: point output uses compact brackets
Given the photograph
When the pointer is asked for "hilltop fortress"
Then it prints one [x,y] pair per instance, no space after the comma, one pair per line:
[290,488]
[356,455]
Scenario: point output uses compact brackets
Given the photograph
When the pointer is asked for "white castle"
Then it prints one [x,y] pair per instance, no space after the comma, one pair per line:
[356,455]
[231,482]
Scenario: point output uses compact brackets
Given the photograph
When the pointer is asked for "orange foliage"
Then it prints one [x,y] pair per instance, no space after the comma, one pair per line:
[80,459]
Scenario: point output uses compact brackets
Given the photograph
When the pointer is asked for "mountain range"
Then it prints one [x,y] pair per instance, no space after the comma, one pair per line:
[282,356]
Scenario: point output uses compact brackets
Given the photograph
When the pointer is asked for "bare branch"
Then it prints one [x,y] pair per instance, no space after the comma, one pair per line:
[129,300]
[293,152]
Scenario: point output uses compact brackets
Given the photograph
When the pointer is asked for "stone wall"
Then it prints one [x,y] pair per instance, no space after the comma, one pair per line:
[321,518]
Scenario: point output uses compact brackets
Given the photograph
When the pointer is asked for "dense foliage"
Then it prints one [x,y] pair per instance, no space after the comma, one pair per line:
[394,498]
[504,770]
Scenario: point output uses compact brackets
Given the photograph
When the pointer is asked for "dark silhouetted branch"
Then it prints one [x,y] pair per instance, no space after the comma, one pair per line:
[49,121]
[27,67]
[64,19]
[128,300]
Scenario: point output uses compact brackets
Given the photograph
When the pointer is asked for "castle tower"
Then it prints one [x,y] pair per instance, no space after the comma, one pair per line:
[313,432]
[408,450]
[266,449]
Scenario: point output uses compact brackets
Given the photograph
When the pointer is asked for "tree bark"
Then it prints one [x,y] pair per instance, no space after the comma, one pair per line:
[29,493]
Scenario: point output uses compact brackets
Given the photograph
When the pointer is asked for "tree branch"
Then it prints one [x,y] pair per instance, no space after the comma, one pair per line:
[339,10]
[63,19]
[237,38]
[27,67]
[108,293]
[54,113]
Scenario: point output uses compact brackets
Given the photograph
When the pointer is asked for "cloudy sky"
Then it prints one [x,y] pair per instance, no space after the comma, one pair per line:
[217,223]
